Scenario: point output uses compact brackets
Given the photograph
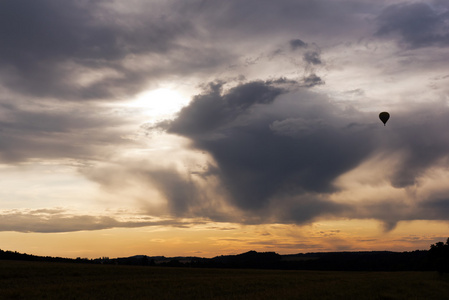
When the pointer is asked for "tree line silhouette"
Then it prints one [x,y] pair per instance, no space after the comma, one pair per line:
[439,256]
[434,259]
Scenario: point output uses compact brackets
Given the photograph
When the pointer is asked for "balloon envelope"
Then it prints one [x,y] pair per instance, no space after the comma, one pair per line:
[384,116]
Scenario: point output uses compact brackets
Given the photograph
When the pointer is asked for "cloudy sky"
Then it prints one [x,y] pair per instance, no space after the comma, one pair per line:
[207,127]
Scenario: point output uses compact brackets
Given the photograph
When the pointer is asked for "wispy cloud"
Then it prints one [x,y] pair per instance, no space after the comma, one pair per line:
[59,220]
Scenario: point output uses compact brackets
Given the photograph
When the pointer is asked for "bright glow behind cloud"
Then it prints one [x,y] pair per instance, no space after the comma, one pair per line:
[159,103]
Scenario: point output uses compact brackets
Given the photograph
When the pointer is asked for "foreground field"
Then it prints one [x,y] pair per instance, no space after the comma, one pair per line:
[35,280]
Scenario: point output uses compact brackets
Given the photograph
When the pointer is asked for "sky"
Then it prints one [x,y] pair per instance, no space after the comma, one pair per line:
[207,127]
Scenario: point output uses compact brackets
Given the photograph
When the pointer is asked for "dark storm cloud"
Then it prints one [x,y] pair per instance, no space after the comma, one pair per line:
[215,109]
[44,42]
[278,151]
[419,24]
[265,153]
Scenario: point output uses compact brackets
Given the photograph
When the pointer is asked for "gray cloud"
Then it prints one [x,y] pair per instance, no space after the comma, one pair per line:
[46,44]
[284,148]
[50,221]
[304,208]
[49,132]
[297,43]
[419,24]
[260,153]
[312,80]
[312,57]
[258,18]
[419,139]
[435,209]
[277,144]
[214,109]
[95,49]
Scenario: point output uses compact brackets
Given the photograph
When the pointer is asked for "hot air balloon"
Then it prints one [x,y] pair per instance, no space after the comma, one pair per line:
[384,116]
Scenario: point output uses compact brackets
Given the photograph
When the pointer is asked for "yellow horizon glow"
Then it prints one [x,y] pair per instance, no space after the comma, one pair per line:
[213,239]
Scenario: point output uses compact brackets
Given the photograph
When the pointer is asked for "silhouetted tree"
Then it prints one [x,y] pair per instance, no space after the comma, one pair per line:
[439,256]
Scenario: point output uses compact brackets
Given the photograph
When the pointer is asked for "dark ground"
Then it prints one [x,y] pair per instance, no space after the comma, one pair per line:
[56,280]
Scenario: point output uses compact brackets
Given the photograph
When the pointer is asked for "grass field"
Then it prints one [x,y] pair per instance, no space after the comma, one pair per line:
[38,280]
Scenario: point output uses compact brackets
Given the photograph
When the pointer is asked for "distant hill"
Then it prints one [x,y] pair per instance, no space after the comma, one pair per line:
[419,260]
[337,261]
[14,255]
